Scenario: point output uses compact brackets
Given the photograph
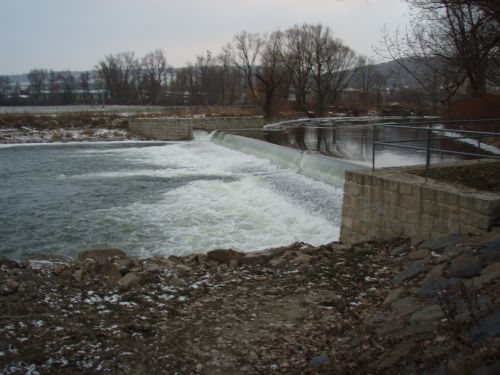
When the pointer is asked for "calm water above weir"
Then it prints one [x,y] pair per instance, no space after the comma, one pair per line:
[152,198]
[353,140]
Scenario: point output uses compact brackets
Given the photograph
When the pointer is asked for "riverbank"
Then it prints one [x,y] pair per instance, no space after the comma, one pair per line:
[375,307]
[64,127]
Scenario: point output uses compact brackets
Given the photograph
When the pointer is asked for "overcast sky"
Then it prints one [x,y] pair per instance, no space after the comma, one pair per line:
[75,34]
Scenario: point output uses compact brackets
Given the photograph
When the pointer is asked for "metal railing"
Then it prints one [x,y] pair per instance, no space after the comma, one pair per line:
[431,127]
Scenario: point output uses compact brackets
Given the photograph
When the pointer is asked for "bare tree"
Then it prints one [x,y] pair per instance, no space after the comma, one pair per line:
[120,74]
[154,66]
[229,79]
[5,87]
[272,74]
[455,41]
[332,66]
[84,85]
[297,56]
[246,51]
[68,85]
[38,83]
[369,80]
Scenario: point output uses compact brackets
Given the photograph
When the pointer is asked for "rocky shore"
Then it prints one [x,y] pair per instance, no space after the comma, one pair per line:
[378,307]
[63,127]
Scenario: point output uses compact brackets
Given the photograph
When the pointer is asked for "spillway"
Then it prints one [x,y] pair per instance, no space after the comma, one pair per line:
[319,167]
[172,198]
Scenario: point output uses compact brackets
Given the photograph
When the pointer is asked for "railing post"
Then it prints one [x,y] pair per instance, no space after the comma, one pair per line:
[428,151]
[373,146]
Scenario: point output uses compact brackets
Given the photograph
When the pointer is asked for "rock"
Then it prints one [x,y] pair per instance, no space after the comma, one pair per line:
[489,369]
[453,251]
[58,268]
[480,306]
[432,288]
[176,282]
[277,262]
[487,327]
[491,250]
[319,360]
[78,275]
[302,259]
[418,254]
[224,256]
[106,270]
[8,286]
[393,294]
[489,274]
[152,267]
[427,314]
[9,263]
[183,270]
[411,271]
[130,280]
[465,266]
[457,366]
[438,244]
[391,358]
[257,258]
[198,259]
[398,250]
[102,255]
[405,306]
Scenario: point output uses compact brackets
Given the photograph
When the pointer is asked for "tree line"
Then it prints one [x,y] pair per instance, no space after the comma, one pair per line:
[451,49]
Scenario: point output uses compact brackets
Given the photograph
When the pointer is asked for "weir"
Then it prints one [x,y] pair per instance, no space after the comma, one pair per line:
[323,168]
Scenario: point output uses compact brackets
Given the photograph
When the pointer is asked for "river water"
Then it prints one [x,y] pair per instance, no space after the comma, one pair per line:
[155,198]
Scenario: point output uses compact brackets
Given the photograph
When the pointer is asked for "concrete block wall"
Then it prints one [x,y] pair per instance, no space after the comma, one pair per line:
[180,129]
[391,202]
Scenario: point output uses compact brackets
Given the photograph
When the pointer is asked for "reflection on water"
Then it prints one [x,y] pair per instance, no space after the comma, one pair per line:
[354,141]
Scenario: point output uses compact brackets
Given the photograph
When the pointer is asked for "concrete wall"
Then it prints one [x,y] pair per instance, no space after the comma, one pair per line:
[179,129]
[392,202]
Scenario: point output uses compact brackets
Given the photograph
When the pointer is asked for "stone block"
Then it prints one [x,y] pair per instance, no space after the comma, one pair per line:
[428,193]
[347,222]
[390,198]
[482,221]
[357,178]
[440,225]
[429,207]
[406,189]
[466,202]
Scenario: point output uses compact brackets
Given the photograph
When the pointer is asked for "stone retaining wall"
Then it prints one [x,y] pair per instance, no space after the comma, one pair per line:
[179,129]
[392,202]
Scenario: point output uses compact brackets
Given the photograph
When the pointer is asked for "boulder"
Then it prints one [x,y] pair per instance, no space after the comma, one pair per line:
[487,327]
[489,274]
[491,250]
[465,266]
[410,272]
[8,263]
[106,270]
[101,255]
[319,360]
[182,269]
[8,286]
[438,244]
[224,255]
[427,314]
[302,258]
[257,258]
[130,280]
[433,288]
[393,295]
[418,254]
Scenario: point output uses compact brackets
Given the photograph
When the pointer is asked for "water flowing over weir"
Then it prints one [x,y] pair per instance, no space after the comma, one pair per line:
[323,168]
[171,198]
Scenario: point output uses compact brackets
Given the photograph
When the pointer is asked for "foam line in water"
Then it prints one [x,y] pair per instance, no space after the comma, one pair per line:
[323,168]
